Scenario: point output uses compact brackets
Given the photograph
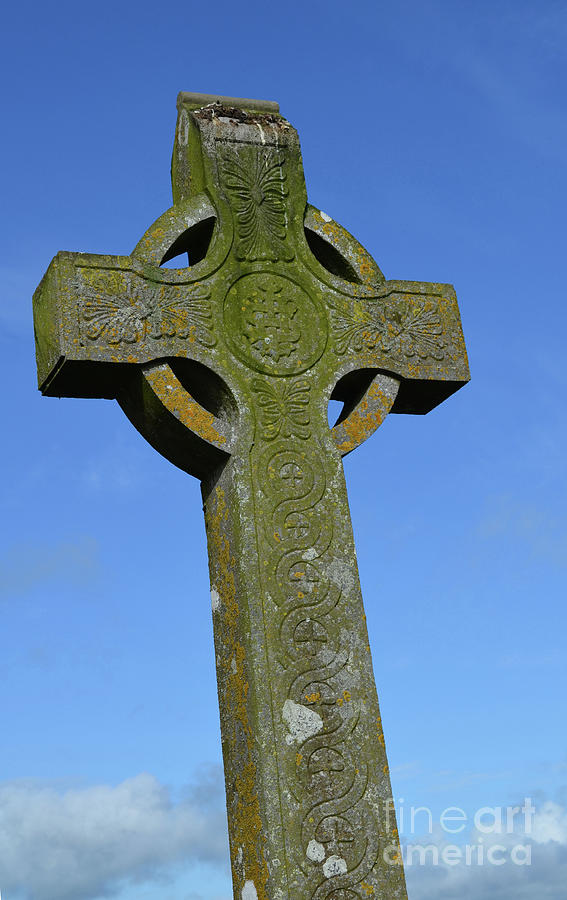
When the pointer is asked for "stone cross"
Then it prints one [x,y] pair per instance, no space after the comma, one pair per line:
[226,365]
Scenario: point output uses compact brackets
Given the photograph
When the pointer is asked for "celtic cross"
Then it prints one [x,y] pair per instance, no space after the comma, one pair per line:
[226,365]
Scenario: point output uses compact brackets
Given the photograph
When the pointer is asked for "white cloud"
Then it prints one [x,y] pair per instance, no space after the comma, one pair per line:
[87,843]
[550,823]
[90,843]
[544,877]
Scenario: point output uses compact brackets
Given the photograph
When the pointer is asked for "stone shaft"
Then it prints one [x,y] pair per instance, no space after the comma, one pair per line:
[308,789]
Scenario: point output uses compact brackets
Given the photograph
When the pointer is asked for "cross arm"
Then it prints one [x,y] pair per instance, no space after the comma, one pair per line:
[412,331]
[95,316]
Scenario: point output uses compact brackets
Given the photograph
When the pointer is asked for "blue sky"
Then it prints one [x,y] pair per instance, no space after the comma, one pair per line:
[436,133]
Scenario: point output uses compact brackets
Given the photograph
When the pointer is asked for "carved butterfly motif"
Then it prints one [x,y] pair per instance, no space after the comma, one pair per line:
[283,408]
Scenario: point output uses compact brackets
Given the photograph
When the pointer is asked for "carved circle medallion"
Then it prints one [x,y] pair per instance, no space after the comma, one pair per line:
[273,325]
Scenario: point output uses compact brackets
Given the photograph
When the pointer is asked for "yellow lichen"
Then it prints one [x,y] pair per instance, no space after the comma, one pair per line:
[246,828]
[179,402]
[364,420]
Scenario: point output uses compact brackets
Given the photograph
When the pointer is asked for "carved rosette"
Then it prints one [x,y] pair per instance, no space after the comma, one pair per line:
[273,325]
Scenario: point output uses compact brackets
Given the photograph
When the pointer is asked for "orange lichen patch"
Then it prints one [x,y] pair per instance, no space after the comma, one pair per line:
[381,739]
[298,758]
[367,888]
[154,237]
[312,698]
[363,420]
[179,402]
[248,832]
[201,421]
[246,828]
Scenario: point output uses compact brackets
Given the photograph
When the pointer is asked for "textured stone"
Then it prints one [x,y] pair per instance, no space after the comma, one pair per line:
[226,365]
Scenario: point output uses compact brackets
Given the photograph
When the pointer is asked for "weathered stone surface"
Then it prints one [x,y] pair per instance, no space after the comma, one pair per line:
[227,366]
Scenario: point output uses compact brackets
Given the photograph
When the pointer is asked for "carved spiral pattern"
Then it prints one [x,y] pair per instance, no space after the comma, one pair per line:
[326,778]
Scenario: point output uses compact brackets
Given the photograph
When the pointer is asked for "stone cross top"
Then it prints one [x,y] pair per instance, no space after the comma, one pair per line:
[226,365]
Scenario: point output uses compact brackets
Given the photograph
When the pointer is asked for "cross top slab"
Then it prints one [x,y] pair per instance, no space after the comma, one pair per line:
[282,290]
[226,365]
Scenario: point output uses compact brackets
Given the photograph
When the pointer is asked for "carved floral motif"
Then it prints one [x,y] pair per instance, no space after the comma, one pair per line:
[255,182]
[413,329]
[140,311]
[408,328]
